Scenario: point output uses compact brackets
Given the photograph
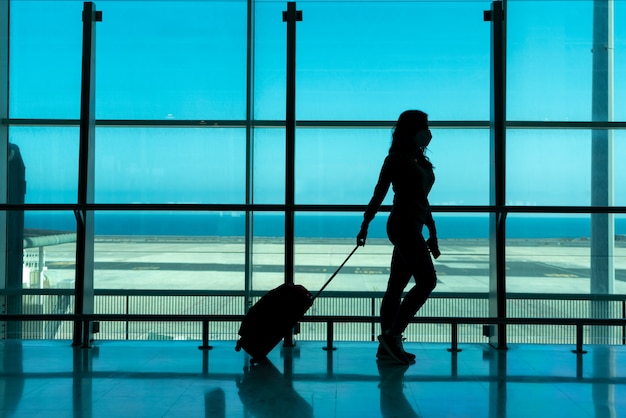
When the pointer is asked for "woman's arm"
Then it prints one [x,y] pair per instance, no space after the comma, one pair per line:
[380,191]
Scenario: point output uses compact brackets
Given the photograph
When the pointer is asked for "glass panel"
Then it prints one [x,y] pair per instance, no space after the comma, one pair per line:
[172,60]
[372,60]
[549,60]
[323,240]
[169,250]
[548,254]
[619,169]
[45,63]
[341,166]
[619,44]
[462,164]
[620,253]
[551,254]
[268,255]
[270,61]
[549,167]
[269,166]
[49,262]
[50,157]
[152,165]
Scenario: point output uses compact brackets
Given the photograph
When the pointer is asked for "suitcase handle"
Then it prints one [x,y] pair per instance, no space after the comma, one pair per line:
[334,274]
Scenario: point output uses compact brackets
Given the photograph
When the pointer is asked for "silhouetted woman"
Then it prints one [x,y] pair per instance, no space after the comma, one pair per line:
[411,174]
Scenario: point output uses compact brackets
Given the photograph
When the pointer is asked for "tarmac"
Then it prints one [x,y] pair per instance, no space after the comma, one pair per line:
[208,263]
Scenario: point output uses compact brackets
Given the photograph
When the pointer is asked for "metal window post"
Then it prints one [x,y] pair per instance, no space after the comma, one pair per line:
[497,259]
[4,143]
[249,232]
[84,298]
[291,16]
[602,224]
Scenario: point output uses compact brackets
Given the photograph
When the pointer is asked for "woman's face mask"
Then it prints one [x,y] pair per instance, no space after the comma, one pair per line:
[422,138]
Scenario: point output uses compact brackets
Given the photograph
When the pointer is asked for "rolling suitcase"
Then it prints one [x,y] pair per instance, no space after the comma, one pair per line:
[275,315]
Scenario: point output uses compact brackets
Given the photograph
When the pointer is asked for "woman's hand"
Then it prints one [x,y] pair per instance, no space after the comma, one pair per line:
[361,237]
[433,246]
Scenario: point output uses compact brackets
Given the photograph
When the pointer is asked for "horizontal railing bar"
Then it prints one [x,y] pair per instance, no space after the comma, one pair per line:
[312,318]
[327,294]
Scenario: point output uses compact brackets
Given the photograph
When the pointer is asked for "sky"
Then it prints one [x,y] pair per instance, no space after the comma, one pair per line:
[355,61]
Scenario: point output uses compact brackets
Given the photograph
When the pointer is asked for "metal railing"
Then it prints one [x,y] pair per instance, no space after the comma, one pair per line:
[347,316]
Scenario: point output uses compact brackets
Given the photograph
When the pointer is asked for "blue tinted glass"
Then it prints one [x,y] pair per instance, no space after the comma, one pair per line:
[269,61]
[169,250]
[269,166]
[619,43]
[341,166]
[372,60]
[619,169]
[549,60]
[548,167]
[152,165]
[45,63]
[171,60]
[50,157]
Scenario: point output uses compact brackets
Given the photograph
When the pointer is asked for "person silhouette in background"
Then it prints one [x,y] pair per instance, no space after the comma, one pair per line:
[411,174]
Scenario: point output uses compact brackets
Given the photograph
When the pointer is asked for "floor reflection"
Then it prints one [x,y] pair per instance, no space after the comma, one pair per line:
[215,404]
[170,379]
[11,389]
[267,393]
[393,401]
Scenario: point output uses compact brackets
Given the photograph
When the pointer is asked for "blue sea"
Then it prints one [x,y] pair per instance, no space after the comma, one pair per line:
[307,225]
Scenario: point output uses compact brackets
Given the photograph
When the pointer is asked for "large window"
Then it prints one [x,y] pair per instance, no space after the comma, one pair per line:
[190,153]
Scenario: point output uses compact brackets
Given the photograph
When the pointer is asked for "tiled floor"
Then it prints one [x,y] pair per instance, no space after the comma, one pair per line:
[175,379]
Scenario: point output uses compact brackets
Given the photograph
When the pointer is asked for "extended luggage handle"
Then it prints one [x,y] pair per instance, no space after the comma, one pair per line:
[334,274]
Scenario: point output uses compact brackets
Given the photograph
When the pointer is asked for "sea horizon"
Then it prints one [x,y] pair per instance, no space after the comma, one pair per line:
[309,225]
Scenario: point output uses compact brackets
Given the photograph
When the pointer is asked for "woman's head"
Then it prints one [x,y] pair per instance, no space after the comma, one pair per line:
[407,127]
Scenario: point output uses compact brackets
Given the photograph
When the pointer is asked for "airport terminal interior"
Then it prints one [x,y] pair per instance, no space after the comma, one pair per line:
[169,163]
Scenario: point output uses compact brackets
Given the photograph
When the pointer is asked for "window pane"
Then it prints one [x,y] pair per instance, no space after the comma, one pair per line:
[270,60]
[372,60]
[323,241]
[548,254]
[172,60]
[620,60]
[269,166]
[268,264]
[549,167]
[45,63]
[619,169]
[55,233]
[153,165]
[549,60]
[341,166]
[169,250]
[50,155]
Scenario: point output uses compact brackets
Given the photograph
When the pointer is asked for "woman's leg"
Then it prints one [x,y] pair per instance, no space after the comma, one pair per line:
[415,256]
[399,277]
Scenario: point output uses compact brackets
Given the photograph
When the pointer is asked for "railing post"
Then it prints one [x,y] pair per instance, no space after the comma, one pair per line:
[579,340]
[127,312]
[454,337]
[329,336]
[373,321]
[205,336]
[624,326]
